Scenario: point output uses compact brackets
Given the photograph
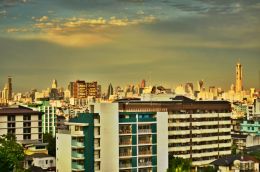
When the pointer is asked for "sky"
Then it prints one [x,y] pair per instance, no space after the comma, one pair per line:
[166,42]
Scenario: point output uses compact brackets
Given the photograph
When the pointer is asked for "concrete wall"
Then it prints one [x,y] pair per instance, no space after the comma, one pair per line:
[162,141]
[109,136]
[63,154]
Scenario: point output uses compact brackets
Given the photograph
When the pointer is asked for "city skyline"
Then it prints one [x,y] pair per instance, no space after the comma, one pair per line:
[122,42]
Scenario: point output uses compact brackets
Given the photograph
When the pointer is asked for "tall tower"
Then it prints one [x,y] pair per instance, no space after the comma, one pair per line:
[9,88]
[238,77]
[54,84]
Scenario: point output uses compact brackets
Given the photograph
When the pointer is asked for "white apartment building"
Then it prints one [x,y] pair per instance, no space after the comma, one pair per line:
[23,122]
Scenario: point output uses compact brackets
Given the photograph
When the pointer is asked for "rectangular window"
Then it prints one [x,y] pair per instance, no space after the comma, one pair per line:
[27,136]
[11,125]
[27,130]
[11,131]
[27,117]
[11,118]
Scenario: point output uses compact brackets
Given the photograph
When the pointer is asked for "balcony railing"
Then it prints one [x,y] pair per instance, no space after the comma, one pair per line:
[125,154]
[77,143]
[145,130]
[145,152]
[148,163]
[128,142]
[77,155]
[145,141]
[125,131]
[126,165]
[77,166]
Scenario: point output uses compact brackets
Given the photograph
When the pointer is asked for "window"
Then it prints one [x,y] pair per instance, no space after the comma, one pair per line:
[27,136]
[78,128]
[11,118]
[27,117]
[27,130]
[11,125]
[11,131]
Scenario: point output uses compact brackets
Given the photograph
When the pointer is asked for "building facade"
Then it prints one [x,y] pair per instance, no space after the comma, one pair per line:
[109,140]
[134,135]
[197,130]
[24,123]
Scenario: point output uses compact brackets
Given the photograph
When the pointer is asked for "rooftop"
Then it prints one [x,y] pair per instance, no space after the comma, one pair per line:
[228,160]
[17,110]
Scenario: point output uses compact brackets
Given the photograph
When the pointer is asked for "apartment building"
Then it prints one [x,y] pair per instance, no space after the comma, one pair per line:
[197,130]
[108,140]
[23,122]
[133,135]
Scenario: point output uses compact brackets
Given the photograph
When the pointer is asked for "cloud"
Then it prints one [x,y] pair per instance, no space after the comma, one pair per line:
[76,31]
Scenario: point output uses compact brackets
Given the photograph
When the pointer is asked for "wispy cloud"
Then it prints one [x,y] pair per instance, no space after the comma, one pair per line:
[76,31]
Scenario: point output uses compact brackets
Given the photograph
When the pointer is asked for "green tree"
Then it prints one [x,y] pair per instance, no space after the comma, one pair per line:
[177,164]
[11,153]
[47,138]
[234,149]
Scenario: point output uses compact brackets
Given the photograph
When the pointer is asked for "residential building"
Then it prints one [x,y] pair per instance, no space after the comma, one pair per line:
[235,163]
[44,161]
[197,130]
[141,134]
[23,122]
[109,140]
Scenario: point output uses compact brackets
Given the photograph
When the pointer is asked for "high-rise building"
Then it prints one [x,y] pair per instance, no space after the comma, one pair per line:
[140,135]
[92,89]
[10,88]
[239,81]
[78,89]
[109,140]
[200,85]
[54,84]
[143,84]
[110,90]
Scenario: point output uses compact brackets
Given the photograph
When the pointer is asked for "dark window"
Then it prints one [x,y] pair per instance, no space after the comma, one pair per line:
[27,117]
[11,125]
[27,130]
[11,118]
[27,136]
[11,131]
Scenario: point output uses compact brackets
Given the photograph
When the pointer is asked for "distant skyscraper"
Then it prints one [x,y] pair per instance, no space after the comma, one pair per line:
[143,83]
[200,85]
[110,90]
[189,88]
[9,88]
[238,77]
[54,84]
[80,89]
[92,89]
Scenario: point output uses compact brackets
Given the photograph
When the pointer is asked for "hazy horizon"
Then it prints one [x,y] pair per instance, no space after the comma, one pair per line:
[169,42]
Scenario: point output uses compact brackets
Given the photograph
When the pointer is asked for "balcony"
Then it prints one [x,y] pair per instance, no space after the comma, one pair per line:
[76,143]
[125,165]
[78,167]
[125,154]
[77,155]
[144,164]
[125,131]
[141,131]
[145,152]
[142,142]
